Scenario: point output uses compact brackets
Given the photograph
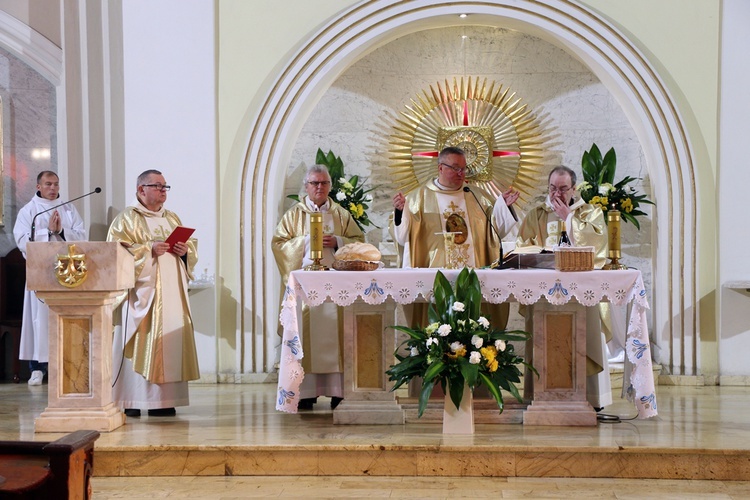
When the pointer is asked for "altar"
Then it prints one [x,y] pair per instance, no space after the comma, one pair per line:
[405,286]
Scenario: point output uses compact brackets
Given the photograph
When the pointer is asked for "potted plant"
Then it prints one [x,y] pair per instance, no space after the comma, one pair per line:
[458,348]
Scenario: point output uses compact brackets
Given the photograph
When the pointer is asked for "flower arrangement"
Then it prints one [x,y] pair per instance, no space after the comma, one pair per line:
[350,194]
[458,346]
[598,187]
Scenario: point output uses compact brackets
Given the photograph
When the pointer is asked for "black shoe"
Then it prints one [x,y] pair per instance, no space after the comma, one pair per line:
[162,412]
[335,402]
[597,409]
[306,403]
[132,412]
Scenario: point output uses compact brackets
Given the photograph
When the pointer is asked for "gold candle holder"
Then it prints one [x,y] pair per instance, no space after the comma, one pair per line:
[316,242]
[613,228]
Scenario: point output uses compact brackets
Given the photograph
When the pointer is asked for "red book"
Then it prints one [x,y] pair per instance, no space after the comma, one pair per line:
[180,234]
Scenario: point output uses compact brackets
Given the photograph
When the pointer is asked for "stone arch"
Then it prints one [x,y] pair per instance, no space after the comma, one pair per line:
[615,60]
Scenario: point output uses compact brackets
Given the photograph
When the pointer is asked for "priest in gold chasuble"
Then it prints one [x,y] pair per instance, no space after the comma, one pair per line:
[322,326]
[445,205]
[586,226]
[154,346]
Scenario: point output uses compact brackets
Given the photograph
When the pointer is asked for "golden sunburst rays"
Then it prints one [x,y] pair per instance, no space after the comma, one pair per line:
[502,138]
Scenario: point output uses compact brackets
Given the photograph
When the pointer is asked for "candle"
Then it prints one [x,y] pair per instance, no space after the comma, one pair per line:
[316,235]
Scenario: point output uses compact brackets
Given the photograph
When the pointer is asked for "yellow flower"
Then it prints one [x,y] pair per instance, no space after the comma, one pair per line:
[356,210]
[489,353]
[492,367]
[460,353]
[626,205]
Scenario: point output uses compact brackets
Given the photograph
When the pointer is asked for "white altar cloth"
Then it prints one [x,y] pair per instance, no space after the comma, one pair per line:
[526,286]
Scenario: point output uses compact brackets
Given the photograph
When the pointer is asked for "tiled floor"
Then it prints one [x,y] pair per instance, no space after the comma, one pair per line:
[698,422]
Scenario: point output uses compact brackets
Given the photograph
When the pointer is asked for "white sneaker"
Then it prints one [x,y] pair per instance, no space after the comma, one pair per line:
[36,377]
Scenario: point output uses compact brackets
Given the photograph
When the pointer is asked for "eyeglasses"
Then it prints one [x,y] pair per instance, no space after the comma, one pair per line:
[562,190]
[318,183]
[458,170]
[158,187]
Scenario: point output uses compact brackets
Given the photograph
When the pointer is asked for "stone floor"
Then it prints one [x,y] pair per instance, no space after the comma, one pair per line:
[231,443]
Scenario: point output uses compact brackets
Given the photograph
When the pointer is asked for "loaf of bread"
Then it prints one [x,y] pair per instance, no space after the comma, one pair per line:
[358,251]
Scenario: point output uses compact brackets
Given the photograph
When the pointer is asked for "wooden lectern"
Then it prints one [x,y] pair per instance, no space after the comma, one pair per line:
[79,281]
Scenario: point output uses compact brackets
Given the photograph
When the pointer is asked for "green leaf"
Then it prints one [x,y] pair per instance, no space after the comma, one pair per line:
[468,371]
[443,293]
[424,396]
[294,197]
[434,370]
[415,334]
[609,164]
[492,387]
[320,158]
[456,389]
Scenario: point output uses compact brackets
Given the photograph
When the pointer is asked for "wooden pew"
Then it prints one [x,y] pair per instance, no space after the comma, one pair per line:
[59,469]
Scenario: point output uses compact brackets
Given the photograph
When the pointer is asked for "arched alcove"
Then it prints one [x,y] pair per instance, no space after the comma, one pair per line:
[599,45]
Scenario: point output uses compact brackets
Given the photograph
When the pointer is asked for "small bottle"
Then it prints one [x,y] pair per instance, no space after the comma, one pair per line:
[564,240]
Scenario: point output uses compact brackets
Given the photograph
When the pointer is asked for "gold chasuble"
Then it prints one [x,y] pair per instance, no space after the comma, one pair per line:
[430,210]
[323,343]
[159,336]
[585,226]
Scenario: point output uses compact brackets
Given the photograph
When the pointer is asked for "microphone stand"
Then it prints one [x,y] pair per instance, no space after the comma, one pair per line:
[33,221]
[498,263]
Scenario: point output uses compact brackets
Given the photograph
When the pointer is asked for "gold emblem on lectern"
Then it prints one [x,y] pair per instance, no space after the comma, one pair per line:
[70,269]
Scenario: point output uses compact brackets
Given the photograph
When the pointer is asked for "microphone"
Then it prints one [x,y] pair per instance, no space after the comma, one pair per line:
[33,221]
[499,239]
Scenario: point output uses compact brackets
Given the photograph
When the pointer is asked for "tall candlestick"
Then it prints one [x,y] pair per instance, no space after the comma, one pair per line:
[316,242]
[614,252]
[316,235]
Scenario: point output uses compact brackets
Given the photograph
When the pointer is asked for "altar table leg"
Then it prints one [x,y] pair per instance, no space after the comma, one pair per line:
[368,352]
[559,355]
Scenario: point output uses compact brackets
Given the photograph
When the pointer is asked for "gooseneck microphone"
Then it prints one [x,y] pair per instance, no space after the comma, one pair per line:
[33,221]
[499,239]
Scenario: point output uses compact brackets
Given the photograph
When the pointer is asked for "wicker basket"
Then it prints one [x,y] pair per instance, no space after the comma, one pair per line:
[355,265]
[574,258]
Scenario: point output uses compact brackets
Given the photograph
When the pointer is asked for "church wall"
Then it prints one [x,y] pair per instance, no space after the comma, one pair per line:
[683,24]
[170,125]
[734,179]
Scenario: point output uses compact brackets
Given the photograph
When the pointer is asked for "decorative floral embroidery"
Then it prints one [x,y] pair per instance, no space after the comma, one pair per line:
[419,283]
[527,293]
[620,294]
[285,396]
[404,293]
[558,291]
[343,295]
[388,285]
[496,293]
[639,348]
[649,401]
[542,285]
[573,286]
[605,286]
[328,286]
[312,295]
[358,286]
[511,284]
[588,295]
[294,345]
[374,289]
